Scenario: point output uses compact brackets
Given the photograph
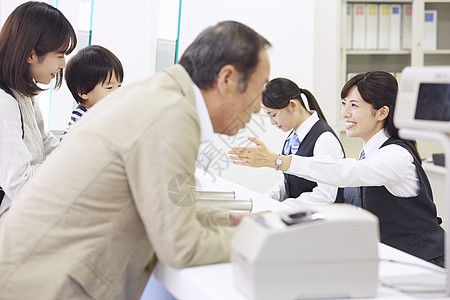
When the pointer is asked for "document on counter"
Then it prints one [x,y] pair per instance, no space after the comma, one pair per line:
[212,186]
[207,194]
[234,205]
[224,199]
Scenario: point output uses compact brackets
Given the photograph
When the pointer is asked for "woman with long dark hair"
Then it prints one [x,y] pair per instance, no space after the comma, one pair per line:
[309,135]
[33,43]
[393,184]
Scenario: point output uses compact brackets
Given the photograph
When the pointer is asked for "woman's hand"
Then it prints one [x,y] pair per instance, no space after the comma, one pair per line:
[255,156]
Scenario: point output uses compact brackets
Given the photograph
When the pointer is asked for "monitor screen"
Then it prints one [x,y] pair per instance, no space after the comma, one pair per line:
[433,102]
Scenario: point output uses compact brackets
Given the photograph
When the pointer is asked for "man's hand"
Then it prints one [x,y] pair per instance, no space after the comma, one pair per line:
[235,218]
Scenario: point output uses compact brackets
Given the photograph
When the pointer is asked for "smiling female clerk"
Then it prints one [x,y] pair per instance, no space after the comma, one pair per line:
[309,135]
[393,183]
[33,42]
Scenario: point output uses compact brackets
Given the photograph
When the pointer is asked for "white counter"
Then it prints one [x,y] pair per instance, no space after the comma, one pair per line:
[409,275]
[215,282]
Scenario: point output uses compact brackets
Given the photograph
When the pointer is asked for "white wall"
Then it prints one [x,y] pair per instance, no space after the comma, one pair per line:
[289,26]
[327,77]
[6,7]
[128,29]
[168,19]
[60,106]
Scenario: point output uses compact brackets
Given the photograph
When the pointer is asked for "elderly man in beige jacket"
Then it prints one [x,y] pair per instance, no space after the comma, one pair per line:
[105,206]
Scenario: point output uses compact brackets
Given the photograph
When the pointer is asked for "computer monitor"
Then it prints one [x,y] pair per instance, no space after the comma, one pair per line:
[423,111]
[423,100]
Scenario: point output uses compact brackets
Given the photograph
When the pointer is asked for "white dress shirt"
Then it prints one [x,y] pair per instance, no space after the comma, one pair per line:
[206,128]
[391,166]
[323,193]
[20,158]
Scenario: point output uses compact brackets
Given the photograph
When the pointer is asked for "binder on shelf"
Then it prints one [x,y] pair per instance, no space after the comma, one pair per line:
[430,30]
[384,26]
[406,26]
[395,26]
[372,26]
[359,26]
[349,26]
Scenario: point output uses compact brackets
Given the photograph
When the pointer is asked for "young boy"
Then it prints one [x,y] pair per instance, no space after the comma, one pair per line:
[91,74]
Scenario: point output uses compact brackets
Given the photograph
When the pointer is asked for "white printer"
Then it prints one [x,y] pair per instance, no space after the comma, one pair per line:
[326,251]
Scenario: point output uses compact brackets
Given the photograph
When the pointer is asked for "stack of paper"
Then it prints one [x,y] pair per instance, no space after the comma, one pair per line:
[215,194]
[234,205]
[224,199]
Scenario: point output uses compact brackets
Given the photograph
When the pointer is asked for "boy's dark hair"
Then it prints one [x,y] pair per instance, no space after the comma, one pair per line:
[32,26]
[90,66]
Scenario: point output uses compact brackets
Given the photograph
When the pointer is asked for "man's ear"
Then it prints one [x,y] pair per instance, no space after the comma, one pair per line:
[227,79]
[383,113]
[32,57]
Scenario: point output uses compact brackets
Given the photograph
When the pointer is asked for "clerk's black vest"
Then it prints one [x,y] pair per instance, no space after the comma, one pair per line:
[296,185]
[409,224]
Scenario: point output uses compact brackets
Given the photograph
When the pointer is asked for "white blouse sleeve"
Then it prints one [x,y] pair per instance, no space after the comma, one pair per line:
[15,158]
[49,139]
[389,166]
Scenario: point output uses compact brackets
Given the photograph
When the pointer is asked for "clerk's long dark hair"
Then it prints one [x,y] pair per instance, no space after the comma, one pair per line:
[279,91]
[379,89]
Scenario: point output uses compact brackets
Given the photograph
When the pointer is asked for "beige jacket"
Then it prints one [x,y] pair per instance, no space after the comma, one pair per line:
[107,202]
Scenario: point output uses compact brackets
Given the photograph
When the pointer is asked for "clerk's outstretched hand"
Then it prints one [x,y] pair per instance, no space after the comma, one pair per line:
[254,156]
